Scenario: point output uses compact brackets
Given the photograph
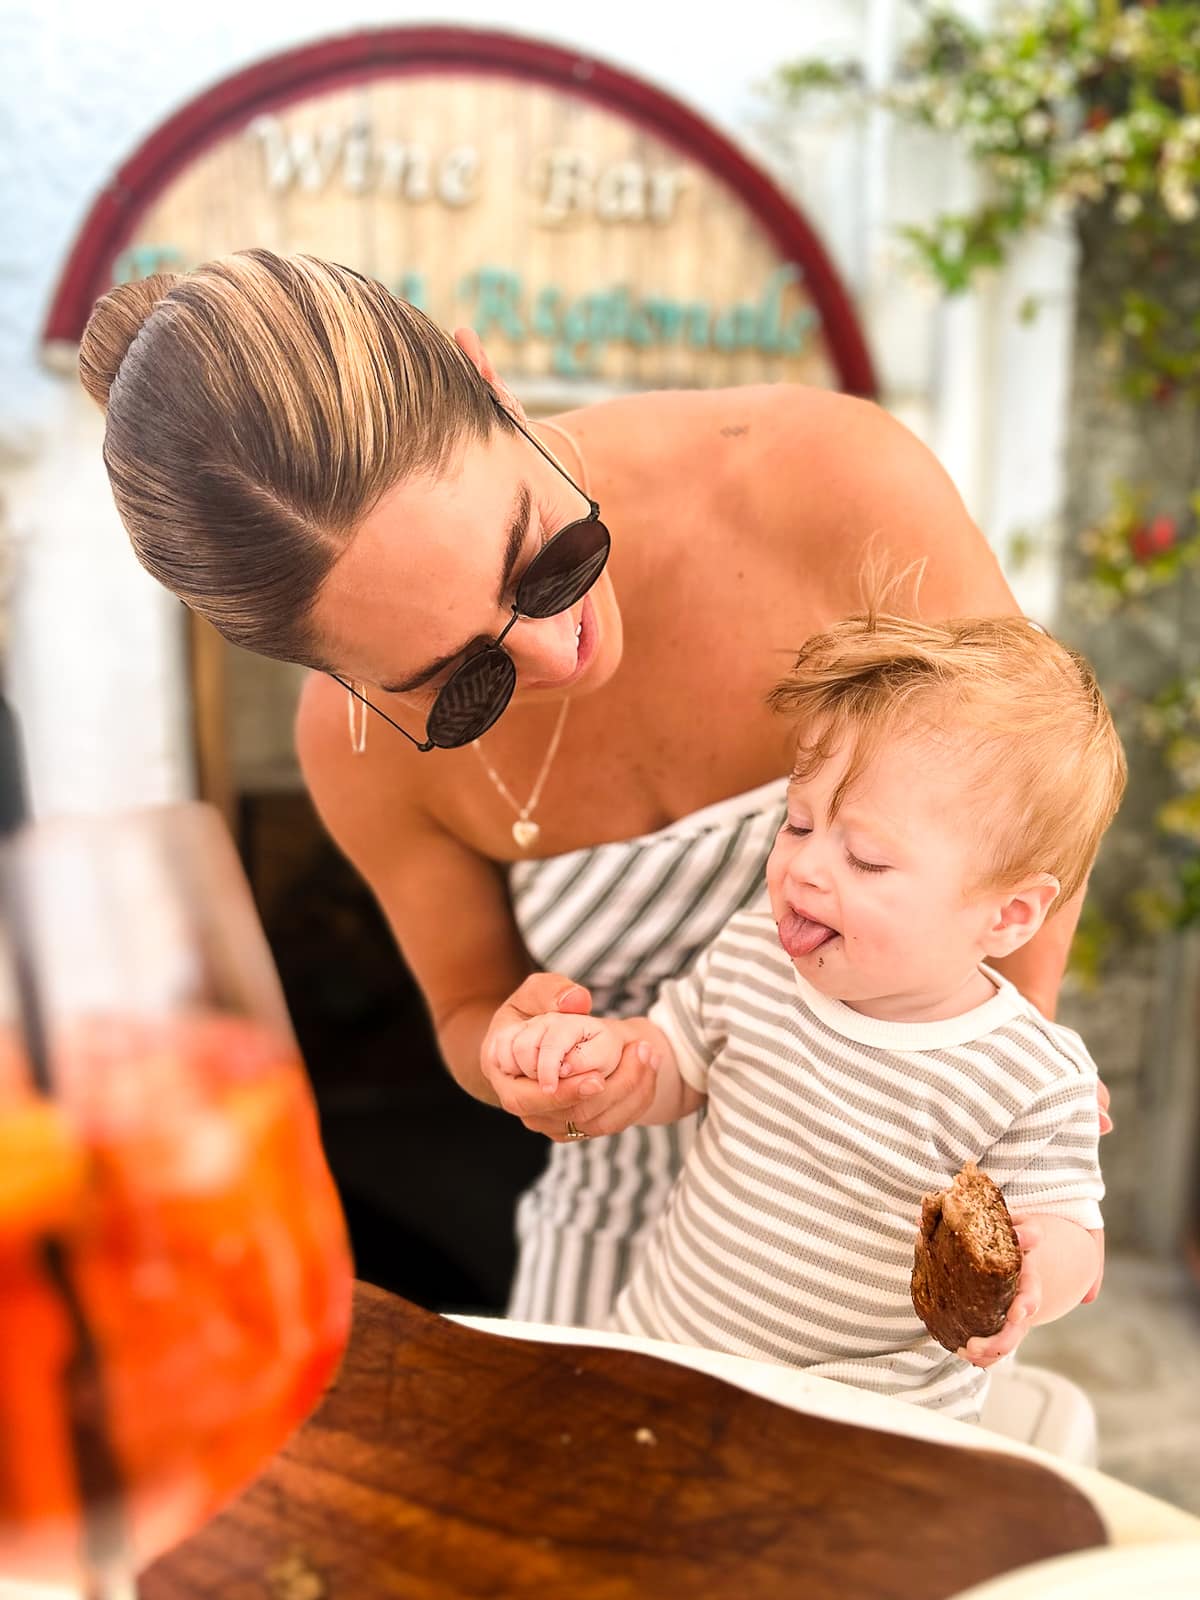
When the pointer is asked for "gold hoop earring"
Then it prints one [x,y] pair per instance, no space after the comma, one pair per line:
[356,711]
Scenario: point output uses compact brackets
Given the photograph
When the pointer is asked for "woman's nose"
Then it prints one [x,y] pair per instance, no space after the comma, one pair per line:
[545,649]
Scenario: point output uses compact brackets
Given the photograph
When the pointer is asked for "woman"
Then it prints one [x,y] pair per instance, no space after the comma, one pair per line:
[315,467]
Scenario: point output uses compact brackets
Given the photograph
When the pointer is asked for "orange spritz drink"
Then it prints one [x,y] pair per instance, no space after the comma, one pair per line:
[174,1274]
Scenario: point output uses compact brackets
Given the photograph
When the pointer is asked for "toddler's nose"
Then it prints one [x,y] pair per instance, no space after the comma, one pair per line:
[809,866]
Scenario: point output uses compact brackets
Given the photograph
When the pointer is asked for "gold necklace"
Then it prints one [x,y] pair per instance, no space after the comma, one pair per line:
[525,830]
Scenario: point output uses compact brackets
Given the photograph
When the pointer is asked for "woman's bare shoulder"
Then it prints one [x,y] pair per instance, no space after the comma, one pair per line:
[845,485]
[742,424]
[846,461]
[753,399]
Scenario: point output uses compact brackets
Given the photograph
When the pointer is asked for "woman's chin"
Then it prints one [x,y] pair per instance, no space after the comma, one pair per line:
[608,645]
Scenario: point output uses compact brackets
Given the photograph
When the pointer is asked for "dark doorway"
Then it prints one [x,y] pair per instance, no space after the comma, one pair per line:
[428,1176]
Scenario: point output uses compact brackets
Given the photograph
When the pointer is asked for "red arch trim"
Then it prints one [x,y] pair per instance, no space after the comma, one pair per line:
[354,58]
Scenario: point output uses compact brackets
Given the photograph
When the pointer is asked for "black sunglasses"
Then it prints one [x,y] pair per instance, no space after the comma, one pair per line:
[477,692]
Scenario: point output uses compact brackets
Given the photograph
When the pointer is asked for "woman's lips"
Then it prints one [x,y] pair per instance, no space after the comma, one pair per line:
[800,935]
[583,655]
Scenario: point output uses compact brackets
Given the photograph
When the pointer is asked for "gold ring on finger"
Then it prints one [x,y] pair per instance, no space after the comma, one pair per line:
[575,1133]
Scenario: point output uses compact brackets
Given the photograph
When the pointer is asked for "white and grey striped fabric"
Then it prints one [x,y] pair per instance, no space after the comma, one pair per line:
[789,1236]
[621,918]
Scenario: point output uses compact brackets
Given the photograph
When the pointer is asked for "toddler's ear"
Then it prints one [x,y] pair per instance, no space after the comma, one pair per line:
[1019,913]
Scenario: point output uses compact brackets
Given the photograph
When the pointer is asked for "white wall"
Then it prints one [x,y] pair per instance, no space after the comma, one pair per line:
[96,656]
[96,653]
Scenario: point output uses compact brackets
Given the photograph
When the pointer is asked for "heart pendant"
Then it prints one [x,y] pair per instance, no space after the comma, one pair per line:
[525,833]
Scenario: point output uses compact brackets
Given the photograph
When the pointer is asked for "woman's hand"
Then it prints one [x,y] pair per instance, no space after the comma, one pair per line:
[589,1102]
[1106,1126]
[1103,1099]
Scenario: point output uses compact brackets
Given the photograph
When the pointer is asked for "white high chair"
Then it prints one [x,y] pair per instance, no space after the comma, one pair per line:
[1043,1409]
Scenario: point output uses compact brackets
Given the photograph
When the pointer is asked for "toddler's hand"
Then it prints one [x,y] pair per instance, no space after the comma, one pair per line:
[1027,1302]
[557,1045]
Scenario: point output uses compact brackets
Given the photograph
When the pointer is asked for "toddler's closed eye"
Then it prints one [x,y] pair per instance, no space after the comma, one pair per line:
[865,866]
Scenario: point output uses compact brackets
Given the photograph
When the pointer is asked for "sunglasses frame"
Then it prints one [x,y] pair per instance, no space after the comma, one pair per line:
[497,644]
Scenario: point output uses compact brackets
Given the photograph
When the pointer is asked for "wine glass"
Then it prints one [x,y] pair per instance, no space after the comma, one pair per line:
[174,1273]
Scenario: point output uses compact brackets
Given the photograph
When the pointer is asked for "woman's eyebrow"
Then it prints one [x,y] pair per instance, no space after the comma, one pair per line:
[518,530]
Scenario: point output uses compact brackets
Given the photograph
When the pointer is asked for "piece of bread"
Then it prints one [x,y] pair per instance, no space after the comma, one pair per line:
[967,1260]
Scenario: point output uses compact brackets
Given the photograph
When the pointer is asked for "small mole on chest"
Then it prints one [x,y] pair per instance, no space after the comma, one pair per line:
[734,431]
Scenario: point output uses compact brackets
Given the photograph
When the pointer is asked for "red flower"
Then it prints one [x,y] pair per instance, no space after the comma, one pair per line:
[1153,538]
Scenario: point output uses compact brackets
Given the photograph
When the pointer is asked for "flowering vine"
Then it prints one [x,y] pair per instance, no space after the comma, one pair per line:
[1087,111]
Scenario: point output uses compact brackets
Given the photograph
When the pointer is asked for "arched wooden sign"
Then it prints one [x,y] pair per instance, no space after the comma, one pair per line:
[593,229]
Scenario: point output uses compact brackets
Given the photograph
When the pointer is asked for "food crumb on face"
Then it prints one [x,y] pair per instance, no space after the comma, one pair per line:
[646,1436]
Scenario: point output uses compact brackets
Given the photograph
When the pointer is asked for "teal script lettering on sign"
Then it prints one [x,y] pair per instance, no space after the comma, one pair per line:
[144,260]
[580,329]
[497,301]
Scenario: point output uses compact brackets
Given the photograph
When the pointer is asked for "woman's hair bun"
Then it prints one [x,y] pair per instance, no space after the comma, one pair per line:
[116,320]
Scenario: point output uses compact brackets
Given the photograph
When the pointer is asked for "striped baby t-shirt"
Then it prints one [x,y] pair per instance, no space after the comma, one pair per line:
[789,1234]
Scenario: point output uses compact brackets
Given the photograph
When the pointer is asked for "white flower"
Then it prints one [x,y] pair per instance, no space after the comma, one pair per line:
[1181,202]
[1085,187]
[1129,35]
[945,115]
[1087,148]
[1127,207]
[1036,126]
[1181,149]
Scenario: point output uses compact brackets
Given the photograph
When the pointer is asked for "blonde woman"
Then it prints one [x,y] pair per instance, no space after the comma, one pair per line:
[537,718]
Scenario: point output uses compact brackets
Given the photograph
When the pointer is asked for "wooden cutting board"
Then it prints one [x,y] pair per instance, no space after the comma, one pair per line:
[447,1462]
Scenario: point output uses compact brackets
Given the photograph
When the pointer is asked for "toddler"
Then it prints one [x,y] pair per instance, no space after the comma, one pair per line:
[848,1038]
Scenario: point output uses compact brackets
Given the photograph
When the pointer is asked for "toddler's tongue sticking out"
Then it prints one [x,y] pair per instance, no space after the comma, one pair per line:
[800,935]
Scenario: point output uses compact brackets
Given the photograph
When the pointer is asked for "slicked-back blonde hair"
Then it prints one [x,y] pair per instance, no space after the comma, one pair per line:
[256,410]
[1018,714]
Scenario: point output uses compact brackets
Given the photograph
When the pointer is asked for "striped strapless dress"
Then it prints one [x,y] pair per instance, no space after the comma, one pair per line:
[621,918]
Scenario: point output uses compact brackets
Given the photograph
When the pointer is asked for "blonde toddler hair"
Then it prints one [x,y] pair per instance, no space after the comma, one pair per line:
[1019,712]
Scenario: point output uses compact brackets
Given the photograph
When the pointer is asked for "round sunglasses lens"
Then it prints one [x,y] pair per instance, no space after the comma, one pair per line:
[565,570]
[471,700]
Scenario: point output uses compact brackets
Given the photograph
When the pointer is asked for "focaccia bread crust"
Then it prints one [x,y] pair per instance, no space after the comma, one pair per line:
[967,1260]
